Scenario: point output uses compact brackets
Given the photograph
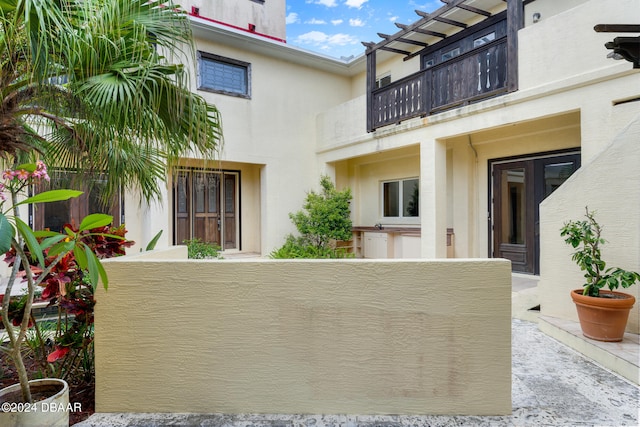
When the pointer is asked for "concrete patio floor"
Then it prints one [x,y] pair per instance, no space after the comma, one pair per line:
[553,385]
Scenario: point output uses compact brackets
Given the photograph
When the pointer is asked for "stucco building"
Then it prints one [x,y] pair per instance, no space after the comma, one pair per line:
[452,133]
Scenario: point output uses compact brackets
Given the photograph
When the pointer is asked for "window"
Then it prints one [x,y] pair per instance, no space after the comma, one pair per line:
[428,63]
[401,198]
[450,54]
[53,216]
[484,39]
[224,75]
[383,81]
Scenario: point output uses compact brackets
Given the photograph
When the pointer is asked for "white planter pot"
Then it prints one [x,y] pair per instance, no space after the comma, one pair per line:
[49,411]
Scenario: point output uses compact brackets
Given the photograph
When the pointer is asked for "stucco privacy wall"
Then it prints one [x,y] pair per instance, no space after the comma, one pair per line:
[609,185]
[304,336]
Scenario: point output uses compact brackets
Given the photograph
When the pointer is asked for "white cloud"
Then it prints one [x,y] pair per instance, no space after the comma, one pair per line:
[324,41]
[357,22]
[343,39]
[393,18]
[328,3]
[292,18]
[428,6]
[314,21]
[355,3]
[337,21]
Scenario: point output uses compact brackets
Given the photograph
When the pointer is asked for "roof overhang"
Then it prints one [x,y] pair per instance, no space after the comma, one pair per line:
[244,40]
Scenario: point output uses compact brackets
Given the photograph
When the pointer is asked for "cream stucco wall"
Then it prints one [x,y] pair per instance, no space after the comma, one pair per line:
[547,9]
[276,128]
[577,111]
[272,135]
[143,220]
[609,185]
[565,44]
[364,176]
[307,116]
[305,336]
[268,16]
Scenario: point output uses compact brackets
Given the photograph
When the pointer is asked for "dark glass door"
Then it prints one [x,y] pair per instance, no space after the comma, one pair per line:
[513,211]
[519,186]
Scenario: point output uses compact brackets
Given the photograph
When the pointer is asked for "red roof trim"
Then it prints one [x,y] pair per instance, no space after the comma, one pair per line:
[194,12]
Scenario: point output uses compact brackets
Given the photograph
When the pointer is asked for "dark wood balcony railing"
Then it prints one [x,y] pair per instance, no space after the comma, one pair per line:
[400,100]
[476,75]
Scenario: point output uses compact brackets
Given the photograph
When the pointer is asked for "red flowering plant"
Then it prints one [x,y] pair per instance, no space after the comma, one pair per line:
[65,263]
[69,355]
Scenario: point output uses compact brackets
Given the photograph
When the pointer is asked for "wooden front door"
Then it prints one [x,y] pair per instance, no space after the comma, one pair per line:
[517,190]
[205,207]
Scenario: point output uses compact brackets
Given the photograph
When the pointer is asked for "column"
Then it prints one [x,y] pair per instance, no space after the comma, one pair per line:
[433,198]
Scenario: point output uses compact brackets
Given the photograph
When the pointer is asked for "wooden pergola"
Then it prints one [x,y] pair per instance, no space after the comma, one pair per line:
[448,24]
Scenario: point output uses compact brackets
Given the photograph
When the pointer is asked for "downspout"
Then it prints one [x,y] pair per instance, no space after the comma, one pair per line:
[476,197]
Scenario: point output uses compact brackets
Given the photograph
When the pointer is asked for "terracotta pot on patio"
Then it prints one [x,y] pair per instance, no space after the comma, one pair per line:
[603,318]
[50,407]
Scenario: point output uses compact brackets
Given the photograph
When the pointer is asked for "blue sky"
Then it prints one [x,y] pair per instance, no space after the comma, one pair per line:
[337,27]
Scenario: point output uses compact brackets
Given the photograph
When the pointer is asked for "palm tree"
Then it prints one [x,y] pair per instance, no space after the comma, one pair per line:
[96,86]
[90,86]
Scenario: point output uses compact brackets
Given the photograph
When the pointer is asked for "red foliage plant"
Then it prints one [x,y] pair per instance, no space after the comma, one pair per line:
[66,286]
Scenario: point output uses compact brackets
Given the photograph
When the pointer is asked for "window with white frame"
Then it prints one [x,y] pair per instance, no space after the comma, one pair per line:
[400,198]
[224,75]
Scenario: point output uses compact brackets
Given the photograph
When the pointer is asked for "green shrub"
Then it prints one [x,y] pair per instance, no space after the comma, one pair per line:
[197,249]
[324,219]
[298,247]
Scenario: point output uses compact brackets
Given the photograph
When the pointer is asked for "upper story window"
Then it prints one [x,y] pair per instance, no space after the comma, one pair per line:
[479,37]
[383,81]
[224,75]
[450,54]
[401,198]
[487,38]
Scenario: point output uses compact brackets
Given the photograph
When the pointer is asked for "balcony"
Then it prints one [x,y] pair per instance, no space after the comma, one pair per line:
[474,76]
[466,51]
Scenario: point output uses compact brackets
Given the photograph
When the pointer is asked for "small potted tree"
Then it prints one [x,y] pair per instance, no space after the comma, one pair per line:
[603,314]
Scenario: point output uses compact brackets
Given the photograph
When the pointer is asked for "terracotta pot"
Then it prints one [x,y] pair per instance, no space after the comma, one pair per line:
[53,410]
[603,319]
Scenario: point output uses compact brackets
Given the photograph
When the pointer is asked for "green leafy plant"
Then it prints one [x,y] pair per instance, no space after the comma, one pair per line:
[197,249]
[35,256]
[154,241]
[585,236]
[297,247]
[98,87]
[324,219]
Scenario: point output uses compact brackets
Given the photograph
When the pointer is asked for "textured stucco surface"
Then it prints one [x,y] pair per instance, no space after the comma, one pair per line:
[552,386]
[316,336]
[610,186]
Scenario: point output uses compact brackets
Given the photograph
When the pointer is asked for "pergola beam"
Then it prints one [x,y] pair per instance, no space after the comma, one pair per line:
[450,22]
[391,49]
[404,40]
[422,31]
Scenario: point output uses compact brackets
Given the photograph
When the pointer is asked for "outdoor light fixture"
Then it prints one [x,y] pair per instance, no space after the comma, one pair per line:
[622,47]
[627,48]
[536,17]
